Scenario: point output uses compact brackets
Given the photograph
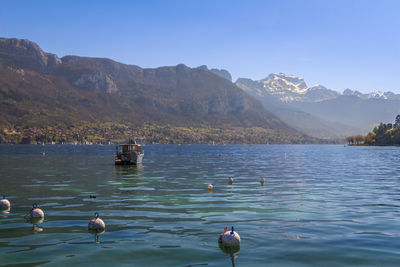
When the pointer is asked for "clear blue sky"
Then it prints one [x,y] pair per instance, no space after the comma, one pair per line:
[340,44]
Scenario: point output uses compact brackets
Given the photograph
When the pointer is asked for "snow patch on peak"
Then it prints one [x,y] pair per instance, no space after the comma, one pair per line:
[317,87]
[378,94]
[289,88]
[374,95]
[284,85]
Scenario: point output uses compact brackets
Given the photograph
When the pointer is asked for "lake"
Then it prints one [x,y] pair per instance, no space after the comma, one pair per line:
[320,205]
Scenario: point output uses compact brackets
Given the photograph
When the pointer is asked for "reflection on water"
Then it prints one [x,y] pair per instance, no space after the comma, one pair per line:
[36,228]
[96,235]
[231,251]
[126,171]
[320,205]
[5,211]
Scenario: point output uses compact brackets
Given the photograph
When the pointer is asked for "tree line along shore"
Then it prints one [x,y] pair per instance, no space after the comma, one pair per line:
[382,135]
[105,133]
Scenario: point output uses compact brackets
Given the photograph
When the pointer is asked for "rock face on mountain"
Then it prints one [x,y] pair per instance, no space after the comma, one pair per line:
[37,89]
[318,93]
[25,53]
[112,68]
[252,87]
[286,87]
[220,72]
[97,81]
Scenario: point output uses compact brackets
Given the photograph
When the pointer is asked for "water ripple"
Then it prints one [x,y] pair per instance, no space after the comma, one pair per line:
[320,205]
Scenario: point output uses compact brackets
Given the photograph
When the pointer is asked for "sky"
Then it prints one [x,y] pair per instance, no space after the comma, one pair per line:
[339,44]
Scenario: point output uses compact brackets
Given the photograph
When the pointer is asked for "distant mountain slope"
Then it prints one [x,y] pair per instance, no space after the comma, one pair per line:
[319,111]
[352,110]
[312,125]
[373,95]
[38,89]
[315,126]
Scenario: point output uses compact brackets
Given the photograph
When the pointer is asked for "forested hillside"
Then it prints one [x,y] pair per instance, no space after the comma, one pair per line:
[75,99]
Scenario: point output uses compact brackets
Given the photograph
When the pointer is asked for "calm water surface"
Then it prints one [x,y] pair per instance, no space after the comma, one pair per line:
[320,205]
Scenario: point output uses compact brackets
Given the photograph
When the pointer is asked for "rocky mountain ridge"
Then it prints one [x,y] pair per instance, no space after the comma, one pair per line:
[39,89]
[220,72]
[25,53]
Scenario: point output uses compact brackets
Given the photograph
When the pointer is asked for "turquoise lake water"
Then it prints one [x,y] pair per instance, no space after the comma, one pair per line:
[320,205]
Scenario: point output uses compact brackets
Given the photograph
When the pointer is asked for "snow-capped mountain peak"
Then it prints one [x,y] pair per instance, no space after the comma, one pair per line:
[281,81]
[378,94]
[374,95]
[290,88]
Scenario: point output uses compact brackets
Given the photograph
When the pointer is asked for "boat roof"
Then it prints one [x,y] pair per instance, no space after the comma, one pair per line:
[130,145]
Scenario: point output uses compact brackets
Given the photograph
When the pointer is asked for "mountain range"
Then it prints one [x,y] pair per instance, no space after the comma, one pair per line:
[319,111]
[39,90]
[290,88]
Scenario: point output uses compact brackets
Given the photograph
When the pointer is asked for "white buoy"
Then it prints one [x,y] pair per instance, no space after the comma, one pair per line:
[229,238]
[4,204]
[230,181]
[210,187]
[262,180]
[96,224]
[35,213]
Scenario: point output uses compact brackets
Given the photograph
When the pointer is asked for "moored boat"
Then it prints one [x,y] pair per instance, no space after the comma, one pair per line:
[129,154]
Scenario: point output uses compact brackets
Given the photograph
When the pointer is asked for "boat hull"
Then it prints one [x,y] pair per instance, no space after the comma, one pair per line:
[132,158]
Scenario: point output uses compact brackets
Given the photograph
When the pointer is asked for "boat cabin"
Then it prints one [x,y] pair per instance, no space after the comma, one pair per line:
[131,147]
[128,154]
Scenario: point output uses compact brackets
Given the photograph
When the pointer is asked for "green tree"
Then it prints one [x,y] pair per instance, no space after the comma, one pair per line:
[383,134]
[397,121]
[370,139]
[396,136]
